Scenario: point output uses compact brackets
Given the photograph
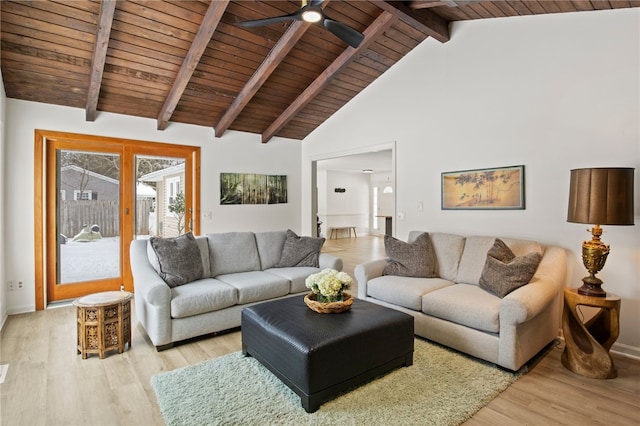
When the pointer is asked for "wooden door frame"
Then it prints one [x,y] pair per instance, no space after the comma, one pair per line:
[130,148]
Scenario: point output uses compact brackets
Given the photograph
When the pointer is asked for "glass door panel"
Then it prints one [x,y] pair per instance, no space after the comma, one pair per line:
[88,216]
[84,227]
[161,209]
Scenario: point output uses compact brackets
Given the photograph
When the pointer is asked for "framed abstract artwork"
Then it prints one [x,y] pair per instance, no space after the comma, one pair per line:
[499,188]
[250,188]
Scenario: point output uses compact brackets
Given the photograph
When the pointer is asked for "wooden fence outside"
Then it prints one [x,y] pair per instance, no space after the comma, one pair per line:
[74,215]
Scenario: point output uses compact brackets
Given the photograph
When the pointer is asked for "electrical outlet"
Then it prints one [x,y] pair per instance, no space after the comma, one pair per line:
[12,285]
[20,286]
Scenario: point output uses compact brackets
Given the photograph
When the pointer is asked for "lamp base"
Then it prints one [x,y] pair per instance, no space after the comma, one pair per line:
[594,256]
[593,290]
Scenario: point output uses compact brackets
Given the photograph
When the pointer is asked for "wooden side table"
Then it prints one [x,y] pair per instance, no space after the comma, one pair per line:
[587,344]
[104,322]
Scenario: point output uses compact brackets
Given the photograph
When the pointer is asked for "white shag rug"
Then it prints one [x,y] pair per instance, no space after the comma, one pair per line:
[442,387]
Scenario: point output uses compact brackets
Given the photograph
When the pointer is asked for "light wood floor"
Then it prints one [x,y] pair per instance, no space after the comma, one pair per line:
[47,383]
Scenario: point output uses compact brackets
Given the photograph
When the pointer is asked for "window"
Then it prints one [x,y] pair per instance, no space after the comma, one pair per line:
[374,210]
[84,195]
[173,189]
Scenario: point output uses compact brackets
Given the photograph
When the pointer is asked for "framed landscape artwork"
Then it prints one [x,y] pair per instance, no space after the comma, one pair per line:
[500,188]
[250,188]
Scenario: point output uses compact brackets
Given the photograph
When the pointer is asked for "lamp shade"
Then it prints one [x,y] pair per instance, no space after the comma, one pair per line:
[601,196]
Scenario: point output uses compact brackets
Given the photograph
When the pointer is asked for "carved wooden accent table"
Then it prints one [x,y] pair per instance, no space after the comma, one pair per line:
[587,344]
[104,322]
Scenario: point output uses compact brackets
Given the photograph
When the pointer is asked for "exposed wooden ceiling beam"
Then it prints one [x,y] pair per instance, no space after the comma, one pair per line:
[107,10]
[288,40]
[424,20]
[424,4]
[203,36]
[284,45]
[379,26]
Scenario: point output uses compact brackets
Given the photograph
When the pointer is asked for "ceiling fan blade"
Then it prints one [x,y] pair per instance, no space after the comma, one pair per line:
[268,21]
[344,32]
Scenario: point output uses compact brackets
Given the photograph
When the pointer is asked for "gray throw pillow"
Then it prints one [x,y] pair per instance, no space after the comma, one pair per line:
[178,258]
[414,259]
[504,272]
[300,251]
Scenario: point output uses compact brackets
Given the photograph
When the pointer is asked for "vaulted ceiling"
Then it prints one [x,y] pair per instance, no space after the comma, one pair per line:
[190,61]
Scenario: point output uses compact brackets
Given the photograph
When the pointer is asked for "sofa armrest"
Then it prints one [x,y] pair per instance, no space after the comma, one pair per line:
[545,287]
[147,283]
[367,271]
[329,261]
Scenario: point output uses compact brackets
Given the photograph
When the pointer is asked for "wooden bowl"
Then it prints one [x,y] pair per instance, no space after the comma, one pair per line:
[331,307]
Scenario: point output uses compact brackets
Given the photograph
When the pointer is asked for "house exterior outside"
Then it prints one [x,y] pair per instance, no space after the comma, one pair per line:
[169,183]
[78,184]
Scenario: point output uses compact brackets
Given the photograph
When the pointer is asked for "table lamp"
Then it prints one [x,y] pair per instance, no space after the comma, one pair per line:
[599,196]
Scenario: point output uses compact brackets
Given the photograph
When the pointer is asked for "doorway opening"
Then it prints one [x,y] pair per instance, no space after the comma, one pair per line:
[342,188]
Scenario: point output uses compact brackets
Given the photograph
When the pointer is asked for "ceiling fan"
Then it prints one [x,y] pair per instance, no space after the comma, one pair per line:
[311,12]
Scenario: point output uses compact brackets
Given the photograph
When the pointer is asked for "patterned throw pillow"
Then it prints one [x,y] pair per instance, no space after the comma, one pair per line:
[415,259]
[300,251]
[178,258]
[504,271]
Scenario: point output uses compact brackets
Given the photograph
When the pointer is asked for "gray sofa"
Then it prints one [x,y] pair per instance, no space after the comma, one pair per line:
[452,308]
[238,270]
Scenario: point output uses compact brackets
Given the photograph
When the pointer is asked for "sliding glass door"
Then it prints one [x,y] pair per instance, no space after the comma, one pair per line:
[97,195]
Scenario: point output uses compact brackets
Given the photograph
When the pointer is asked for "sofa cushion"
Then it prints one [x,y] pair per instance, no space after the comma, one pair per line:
[296,276]
[178,259]
[231,252]
[270,245]
[203,245]
[404,291]
[475,251]
[300,251]
[200,297]
[448,250]
[504,271]
[464,304]
[414,259]
[256,286]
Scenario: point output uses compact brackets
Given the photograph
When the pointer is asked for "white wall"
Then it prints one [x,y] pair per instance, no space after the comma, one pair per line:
[234,152]
[552,92]
[3,278]
[339,209]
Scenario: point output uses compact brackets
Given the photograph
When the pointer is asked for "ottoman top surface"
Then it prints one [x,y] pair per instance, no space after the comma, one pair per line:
[292,317]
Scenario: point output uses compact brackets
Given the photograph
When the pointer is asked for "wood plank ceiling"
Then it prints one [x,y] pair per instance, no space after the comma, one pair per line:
[188,61]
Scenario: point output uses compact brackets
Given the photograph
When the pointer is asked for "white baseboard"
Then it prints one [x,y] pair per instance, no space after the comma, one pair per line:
[626,350]
[22,309]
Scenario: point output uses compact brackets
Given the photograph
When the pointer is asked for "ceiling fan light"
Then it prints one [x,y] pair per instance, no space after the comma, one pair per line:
[311,15]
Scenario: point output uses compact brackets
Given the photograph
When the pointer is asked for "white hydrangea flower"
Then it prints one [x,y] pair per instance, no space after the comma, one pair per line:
[329,282]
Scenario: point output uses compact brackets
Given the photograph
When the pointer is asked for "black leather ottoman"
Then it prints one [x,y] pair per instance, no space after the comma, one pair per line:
[321,355]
